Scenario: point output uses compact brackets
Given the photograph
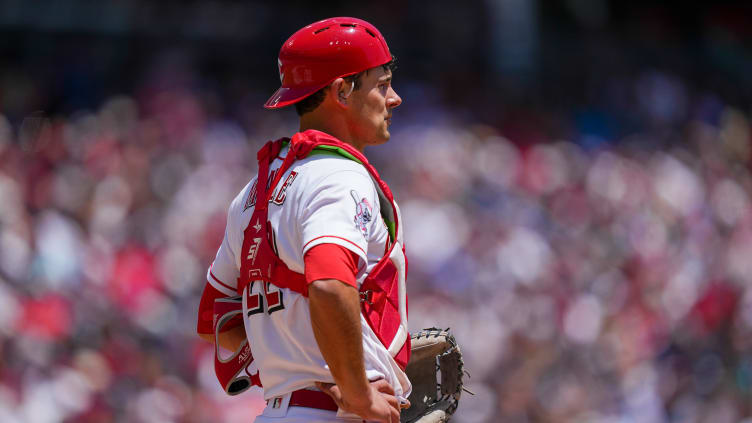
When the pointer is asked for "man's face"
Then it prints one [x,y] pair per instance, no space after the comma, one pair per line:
[371,108]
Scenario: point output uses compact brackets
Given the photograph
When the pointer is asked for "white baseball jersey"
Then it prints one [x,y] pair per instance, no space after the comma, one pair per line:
[320,199]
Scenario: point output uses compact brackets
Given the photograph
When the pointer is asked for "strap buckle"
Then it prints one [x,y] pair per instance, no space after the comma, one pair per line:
[365,297]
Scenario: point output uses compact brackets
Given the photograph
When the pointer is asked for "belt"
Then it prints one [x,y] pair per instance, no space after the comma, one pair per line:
[312,399]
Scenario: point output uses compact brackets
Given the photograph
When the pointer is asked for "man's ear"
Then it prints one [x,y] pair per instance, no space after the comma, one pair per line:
[341,90]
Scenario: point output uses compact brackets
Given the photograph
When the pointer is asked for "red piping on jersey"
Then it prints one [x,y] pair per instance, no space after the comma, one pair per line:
[334,236]
[224,285]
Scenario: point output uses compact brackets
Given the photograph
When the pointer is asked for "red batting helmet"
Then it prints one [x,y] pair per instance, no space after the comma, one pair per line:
[324,51]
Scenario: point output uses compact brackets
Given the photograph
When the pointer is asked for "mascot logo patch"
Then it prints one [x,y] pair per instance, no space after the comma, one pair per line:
[363,213]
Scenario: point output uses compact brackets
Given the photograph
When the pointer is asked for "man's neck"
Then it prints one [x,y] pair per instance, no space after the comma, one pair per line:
[331,127]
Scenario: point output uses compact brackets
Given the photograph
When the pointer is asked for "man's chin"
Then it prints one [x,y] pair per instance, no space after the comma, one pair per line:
[380,139]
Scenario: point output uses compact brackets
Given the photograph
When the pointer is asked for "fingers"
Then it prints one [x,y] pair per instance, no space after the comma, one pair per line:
[383,386]
[395,415]
[386,406]
[382,393]
[405,404]
[390,415]
[393,401]
[333,391]
[324,387]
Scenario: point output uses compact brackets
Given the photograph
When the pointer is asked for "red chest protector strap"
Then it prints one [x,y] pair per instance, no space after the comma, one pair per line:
[259,261]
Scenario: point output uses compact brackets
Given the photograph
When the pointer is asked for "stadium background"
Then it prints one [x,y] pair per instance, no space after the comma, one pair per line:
[574,176]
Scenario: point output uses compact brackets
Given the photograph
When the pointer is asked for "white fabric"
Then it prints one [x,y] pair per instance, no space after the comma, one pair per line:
[278,410]
[304,415]
[319,206]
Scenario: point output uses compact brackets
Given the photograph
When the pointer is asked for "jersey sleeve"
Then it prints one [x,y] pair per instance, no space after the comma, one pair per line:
[339,210]
[223,272]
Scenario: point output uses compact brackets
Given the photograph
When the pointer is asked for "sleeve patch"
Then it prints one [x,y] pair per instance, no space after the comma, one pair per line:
[363,213]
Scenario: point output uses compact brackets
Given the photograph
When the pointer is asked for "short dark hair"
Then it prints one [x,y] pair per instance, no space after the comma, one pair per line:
[313,101]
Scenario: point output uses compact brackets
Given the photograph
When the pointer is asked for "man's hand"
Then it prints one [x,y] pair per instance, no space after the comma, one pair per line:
[380,405]
[229,340]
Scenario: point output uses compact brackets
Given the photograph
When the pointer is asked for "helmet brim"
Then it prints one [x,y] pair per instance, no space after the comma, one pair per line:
[287,96]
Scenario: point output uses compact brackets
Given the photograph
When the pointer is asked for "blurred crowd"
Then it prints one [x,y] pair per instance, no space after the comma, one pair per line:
[585,232]
[586,280]
[611,284]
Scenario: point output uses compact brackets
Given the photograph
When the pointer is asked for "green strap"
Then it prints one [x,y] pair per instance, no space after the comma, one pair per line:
[390,228]
[331,150]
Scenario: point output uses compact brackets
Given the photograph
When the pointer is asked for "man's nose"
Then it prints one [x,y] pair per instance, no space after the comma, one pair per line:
[393,100]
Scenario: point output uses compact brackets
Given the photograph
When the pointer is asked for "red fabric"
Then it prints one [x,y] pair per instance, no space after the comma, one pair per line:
[205,323]
[331,261]
[382,310]
[312,399]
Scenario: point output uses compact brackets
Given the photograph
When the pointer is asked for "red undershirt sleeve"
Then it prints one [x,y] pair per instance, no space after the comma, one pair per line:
[331,261]
[205,323]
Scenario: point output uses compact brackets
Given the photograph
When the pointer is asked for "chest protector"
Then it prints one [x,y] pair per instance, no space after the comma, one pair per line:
[383,294]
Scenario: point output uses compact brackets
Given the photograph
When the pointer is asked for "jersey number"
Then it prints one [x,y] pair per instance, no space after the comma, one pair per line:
[273,299]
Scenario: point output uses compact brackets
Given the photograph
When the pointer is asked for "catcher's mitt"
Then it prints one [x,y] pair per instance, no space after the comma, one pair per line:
[434,354]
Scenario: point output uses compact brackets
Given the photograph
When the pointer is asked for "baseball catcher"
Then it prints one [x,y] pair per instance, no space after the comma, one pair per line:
[309,284]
